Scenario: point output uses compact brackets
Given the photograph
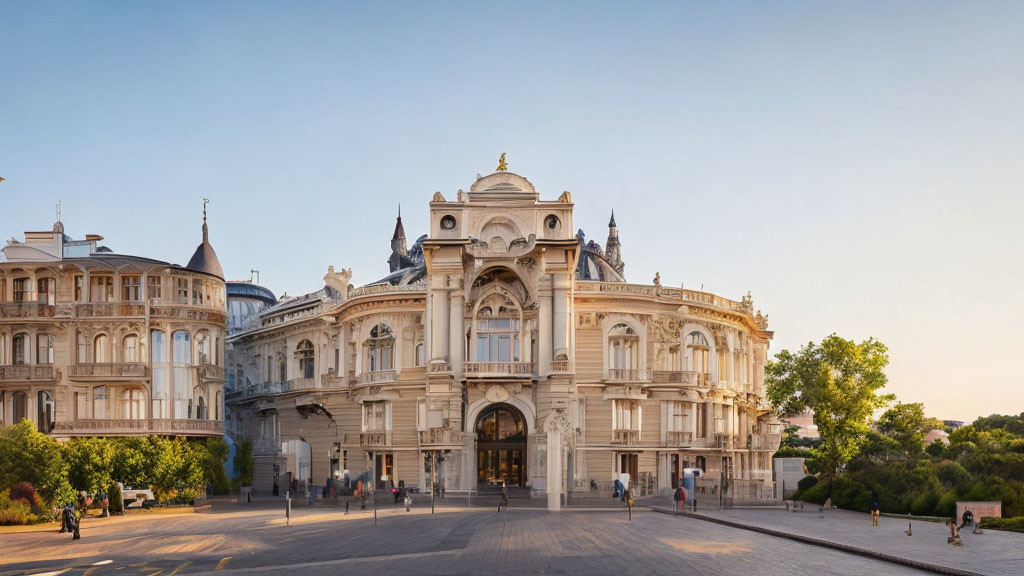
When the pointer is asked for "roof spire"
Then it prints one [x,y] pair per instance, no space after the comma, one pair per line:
[611,223]
[206,231]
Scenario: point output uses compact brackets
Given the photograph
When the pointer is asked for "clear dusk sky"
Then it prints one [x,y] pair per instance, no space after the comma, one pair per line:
[857,166]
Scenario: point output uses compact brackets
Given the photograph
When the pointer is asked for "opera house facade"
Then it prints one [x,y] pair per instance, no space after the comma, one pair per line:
[503,347]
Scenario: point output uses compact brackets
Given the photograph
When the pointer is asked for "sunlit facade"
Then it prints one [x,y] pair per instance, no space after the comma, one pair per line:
[97,343]
[512,348]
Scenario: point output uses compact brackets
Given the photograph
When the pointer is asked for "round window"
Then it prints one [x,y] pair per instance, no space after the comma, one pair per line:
[448,222]
[551,222]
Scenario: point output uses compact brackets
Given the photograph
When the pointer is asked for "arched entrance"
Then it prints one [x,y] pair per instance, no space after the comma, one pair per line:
[501,446]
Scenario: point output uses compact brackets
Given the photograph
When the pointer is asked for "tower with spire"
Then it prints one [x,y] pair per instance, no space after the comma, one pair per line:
[612,249]
[205,259]
[399,258]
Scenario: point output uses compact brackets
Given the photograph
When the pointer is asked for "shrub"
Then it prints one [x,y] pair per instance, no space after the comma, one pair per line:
[25,491]
[925,504]
[816,494]
[34,457]
[806,483]
[16,511]
[851,495]
[1015,524]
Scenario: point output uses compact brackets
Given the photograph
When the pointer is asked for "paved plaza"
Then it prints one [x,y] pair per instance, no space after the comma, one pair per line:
[234,538]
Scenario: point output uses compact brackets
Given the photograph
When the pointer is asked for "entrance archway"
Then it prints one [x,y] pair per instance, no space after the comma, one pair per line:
[501,446]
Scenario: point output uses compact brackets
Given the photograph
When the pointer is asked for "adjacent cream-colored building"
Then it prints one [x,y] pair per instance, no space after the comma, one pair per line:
[96,343]
[512,348]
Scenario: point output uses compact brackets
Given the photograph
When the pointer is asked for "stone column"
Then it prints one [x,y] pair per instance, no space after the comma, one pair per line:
[544,327]
[556,425]
[456,329]
[438,299]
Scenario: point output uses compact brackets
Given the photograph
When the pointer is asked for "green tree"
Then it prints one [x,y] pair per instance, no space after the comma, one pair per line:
[90,463]
[243,465]
[839,380]
[31,456]
[905,424]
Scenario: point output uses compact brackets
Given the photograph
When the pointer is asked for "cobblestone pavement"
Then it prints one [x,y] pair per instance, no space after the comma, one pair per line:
[992,552]
[240,539]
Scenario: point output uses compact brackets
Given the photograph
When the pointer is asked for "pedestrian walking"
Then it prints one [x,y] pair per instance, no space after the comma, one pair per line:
[680,499]
[628,497]
[504,498]
[875,513]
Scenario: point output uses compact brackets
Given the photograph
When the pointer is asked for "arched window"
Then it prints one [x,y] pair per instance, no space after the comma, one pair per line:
[497,325]
[44,349]
[100,398]
[623,347]
[19,401]
[421,356]
[699,353]
[306,355]
[130,350]
[101,349]
[47,408]
[133,404]
[380,348]
[161,372]
[19,351]
[201,409]
[181,389]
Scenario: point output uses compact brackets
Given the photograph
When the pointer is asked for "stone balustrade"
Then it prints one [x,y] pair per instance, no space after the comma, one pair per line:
[371,439]
[628,375]
[681,294]
[109,309]
[299,384]
[384,289]
[678,439]
[377,377]
[119,370]
[681,377]
[498,369]
[211,372]
[23,372]
[26,310]
[561,366]
[625,437]
[101,426]
[441,436]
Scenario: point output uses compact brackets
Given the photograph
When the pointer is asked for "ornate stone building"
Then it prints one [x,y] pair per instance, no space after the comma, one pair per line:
[514,350]
[96,343]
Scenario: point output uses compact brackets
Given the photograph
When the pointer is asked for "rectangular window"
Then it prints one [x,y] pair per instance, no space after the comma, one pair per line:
[79,288]
[44,349]
[101,289]
[197,293]
[626,415]
[702,420]
[3,289]
[677,417]
[131,289]
[182,290]
[46,291]
[375,417]
[22,290]
[153,291]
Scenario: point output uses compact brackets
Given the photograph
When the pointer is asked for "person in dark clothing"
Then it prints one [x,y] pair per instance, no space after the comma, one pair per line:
[680,499]
[504,498]
[875,513]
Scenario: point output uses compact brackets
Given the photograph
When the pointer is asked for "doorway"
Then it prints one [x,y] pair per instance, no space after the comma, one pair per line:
[501,447]
[630,464]
[383,468]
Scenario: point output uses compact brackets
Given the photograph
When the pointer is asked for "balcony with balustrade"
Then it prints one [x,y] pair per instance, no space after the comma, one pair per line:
[27,373]
[681,378]
[110,309]
[334,381]
[108,371]
[377,377]
[26,310]
[266,447]
[211,372]
[675,439]
[625,437]
[502,370]
[299,384]
[375,439]
[627,376]
[441,437]
[138,426]
[561,367]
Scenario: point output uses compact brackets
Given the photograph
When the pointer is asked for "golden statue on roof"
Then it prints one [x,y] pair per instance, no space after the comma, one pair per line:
[502,166]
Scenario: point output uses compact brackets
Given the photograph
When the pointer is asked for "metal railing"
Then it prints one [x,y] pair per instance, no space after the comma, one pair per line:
[498,369]
[109,370]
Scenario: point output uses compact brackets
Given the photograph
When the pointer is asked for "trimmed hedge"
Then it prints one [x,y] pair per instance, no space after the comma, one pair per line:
[1015,524]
